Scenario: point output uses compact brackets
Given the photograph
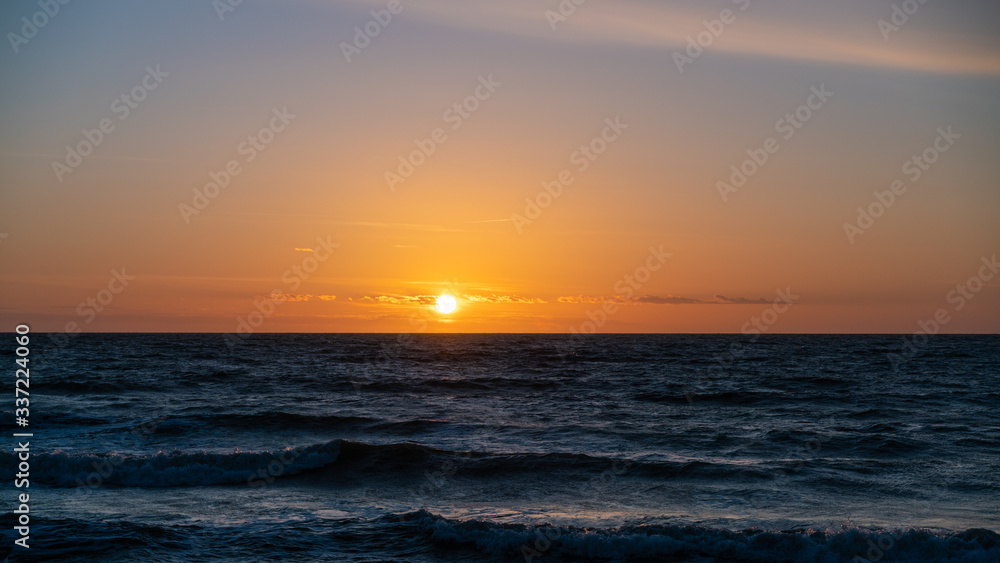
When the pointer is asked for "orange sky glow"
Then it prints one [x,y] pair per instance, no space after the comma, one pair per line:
[807,170]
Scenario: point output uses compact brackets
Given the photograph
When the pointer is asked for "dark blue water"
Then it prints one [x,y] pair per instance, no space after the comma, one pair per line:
[512,448]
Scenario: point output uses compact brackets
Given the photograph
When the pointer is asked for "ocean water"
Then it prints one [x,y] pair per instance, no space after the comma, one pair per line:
[701,448]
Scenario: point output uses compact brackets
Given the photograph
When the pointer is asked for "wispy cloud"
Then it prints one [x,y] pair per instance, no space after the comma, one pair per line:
[430,299]
[741,300]
[399,299]
[669,300]
[846,34]
[502,299]
[293,297]
[589,299]
[578,299]
[662,300]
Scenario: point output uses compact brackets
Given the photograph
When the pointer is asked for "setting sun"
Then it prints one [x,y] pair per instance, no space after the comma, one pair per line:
[446,304]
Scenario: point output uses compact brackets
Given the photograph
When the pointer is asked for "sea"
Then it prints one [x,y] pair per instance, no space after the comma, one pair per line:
[507,447]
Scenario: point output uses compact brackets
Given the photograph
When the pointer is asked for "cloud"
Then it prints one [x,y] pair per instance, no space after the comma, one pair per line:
[431,299]
[304,250]
[291,297]
[400,299]
[572,300]
[501,299]
[590,300]
[663,300]
[846,32]
[669,300]
[741,300]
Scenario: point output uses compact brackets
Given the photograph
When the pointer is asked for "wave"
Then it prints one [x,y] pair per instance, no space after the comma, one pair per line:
[184,423]
[359,460]
[272,420]
[685,396]
[171,469]
[423,536]
[344,463]
[353,382]
[703,544]
[70,386]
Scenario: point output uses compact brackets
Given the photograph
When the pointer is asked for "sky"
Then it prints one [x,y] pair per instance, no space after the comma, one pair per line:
[631,166]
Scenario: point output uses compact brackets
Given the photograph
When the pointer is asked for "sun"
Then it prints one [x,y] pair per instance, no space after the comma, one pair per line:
[445,304]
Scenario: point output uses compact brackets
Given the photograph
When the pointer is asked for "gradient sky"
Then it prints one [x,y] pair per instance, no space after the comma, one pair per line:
[448,228]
